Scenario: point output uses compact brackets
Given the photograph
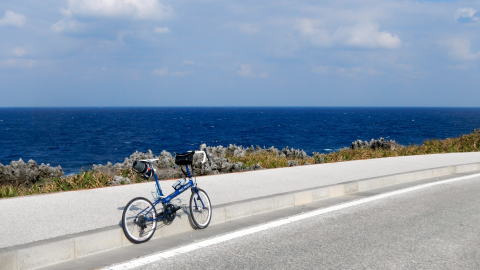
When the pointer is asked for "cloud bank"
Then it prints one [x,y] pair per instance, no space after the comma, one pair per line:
[11,18]
[137,9]
[467,15]
[246,70]
[361,35]
[308,51]
[461,49]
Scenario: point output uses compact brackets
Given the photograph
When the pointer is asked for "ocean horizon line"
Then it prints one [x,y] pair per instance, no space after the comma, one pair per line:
[239,107]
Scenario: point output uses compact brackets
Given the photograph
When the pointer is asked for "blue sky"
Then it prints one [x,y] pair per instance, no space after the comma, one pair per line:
[239,53]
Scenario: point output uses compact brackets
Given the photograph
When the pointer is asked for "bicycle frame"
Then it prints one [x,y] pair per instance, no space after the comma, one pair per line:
[165,200]
[171,196]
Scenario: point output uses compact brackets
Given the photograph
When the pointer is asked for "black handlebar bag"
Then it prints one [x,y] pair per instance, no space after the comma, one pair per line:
[184,158]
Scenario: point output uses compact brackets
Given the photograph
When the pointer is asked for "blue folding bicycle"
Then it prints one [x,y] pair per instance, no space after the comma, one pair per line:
[139,219]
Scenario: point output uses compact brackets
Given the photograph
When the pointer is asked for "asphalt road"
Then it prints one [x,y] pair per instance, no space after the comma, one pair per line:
[434,228]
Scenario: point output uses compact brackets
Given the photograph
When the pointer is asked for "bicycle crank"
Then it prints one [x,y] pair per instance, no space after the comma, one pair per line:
[170,212]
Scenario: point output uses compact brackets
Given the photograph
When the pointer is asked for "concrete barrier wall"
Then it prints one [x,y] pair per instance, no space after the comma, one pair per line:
[61,249]
[87,210]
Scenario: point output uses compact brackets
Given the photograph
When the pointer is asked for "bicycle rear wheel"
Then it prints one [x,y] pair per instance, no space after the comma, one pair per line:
[139,220]
[200,208]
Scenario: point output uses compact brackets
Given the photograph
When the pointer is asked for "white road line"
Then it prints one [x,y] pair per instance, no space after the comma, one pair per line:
[142,261]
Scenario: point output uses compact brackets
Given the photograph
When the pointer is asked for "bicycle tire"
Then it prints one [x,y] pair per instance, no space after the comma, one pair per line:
[127,220]
[200,197]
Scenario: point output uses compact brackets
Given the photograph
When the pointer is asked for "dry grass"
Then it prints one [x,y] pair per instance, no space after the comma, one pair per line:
[465,143]
[84,180]
[267,160]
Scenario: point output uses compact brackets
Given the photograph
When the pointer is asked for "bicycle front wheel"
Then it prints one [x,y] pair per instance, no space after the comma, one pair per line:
[139,220]
[200,208]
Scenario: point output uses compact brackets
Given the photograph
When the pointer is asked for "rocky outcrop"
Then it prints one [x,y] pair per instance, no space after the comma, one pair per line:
[292,153]
[222,160]
[375,144]
[26,173]
[218,159]
[165,165]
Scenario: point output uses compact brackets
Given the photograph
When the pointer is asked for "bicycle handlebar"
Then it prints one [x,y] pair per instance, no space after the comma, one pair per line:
[149,160]
[204,155]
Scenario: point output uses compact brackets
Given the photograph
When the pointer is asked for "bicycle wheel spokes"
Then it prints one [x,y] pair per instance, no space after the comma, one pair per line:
[139,220]
[200,209]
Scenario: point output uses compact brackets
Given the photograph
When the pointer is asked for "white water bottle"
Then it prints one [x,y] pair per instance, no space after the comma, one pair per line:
[179,183]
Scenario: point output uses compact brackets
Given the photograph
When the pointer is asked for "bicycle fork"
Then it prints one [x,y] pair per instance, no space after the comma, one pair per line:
[200,199]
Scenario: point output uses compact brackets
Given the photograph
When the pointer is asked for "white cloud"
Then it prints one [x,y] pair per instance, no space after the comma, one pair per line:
[346,71]
[314,31]
[68,25]
[359,35]
[467,15]
[461,49]
[11,18]
[246,70]
[17,63]
[138,9]
[368,36]
[161,71]
[248,28]
[162,30]
[165,72]
[19,52]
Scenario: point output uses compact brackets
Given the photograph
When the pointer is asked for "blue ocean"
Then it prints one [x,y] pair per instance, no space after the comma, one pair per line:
[76,138]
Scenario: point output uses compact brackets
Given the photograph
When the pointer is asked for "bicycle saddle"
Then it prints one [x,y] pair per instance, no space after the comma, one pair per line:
[142,167]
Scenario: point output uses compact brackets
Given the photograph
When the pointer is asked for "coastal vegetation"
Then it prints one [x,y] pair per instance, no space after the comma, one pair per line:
[21,178]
